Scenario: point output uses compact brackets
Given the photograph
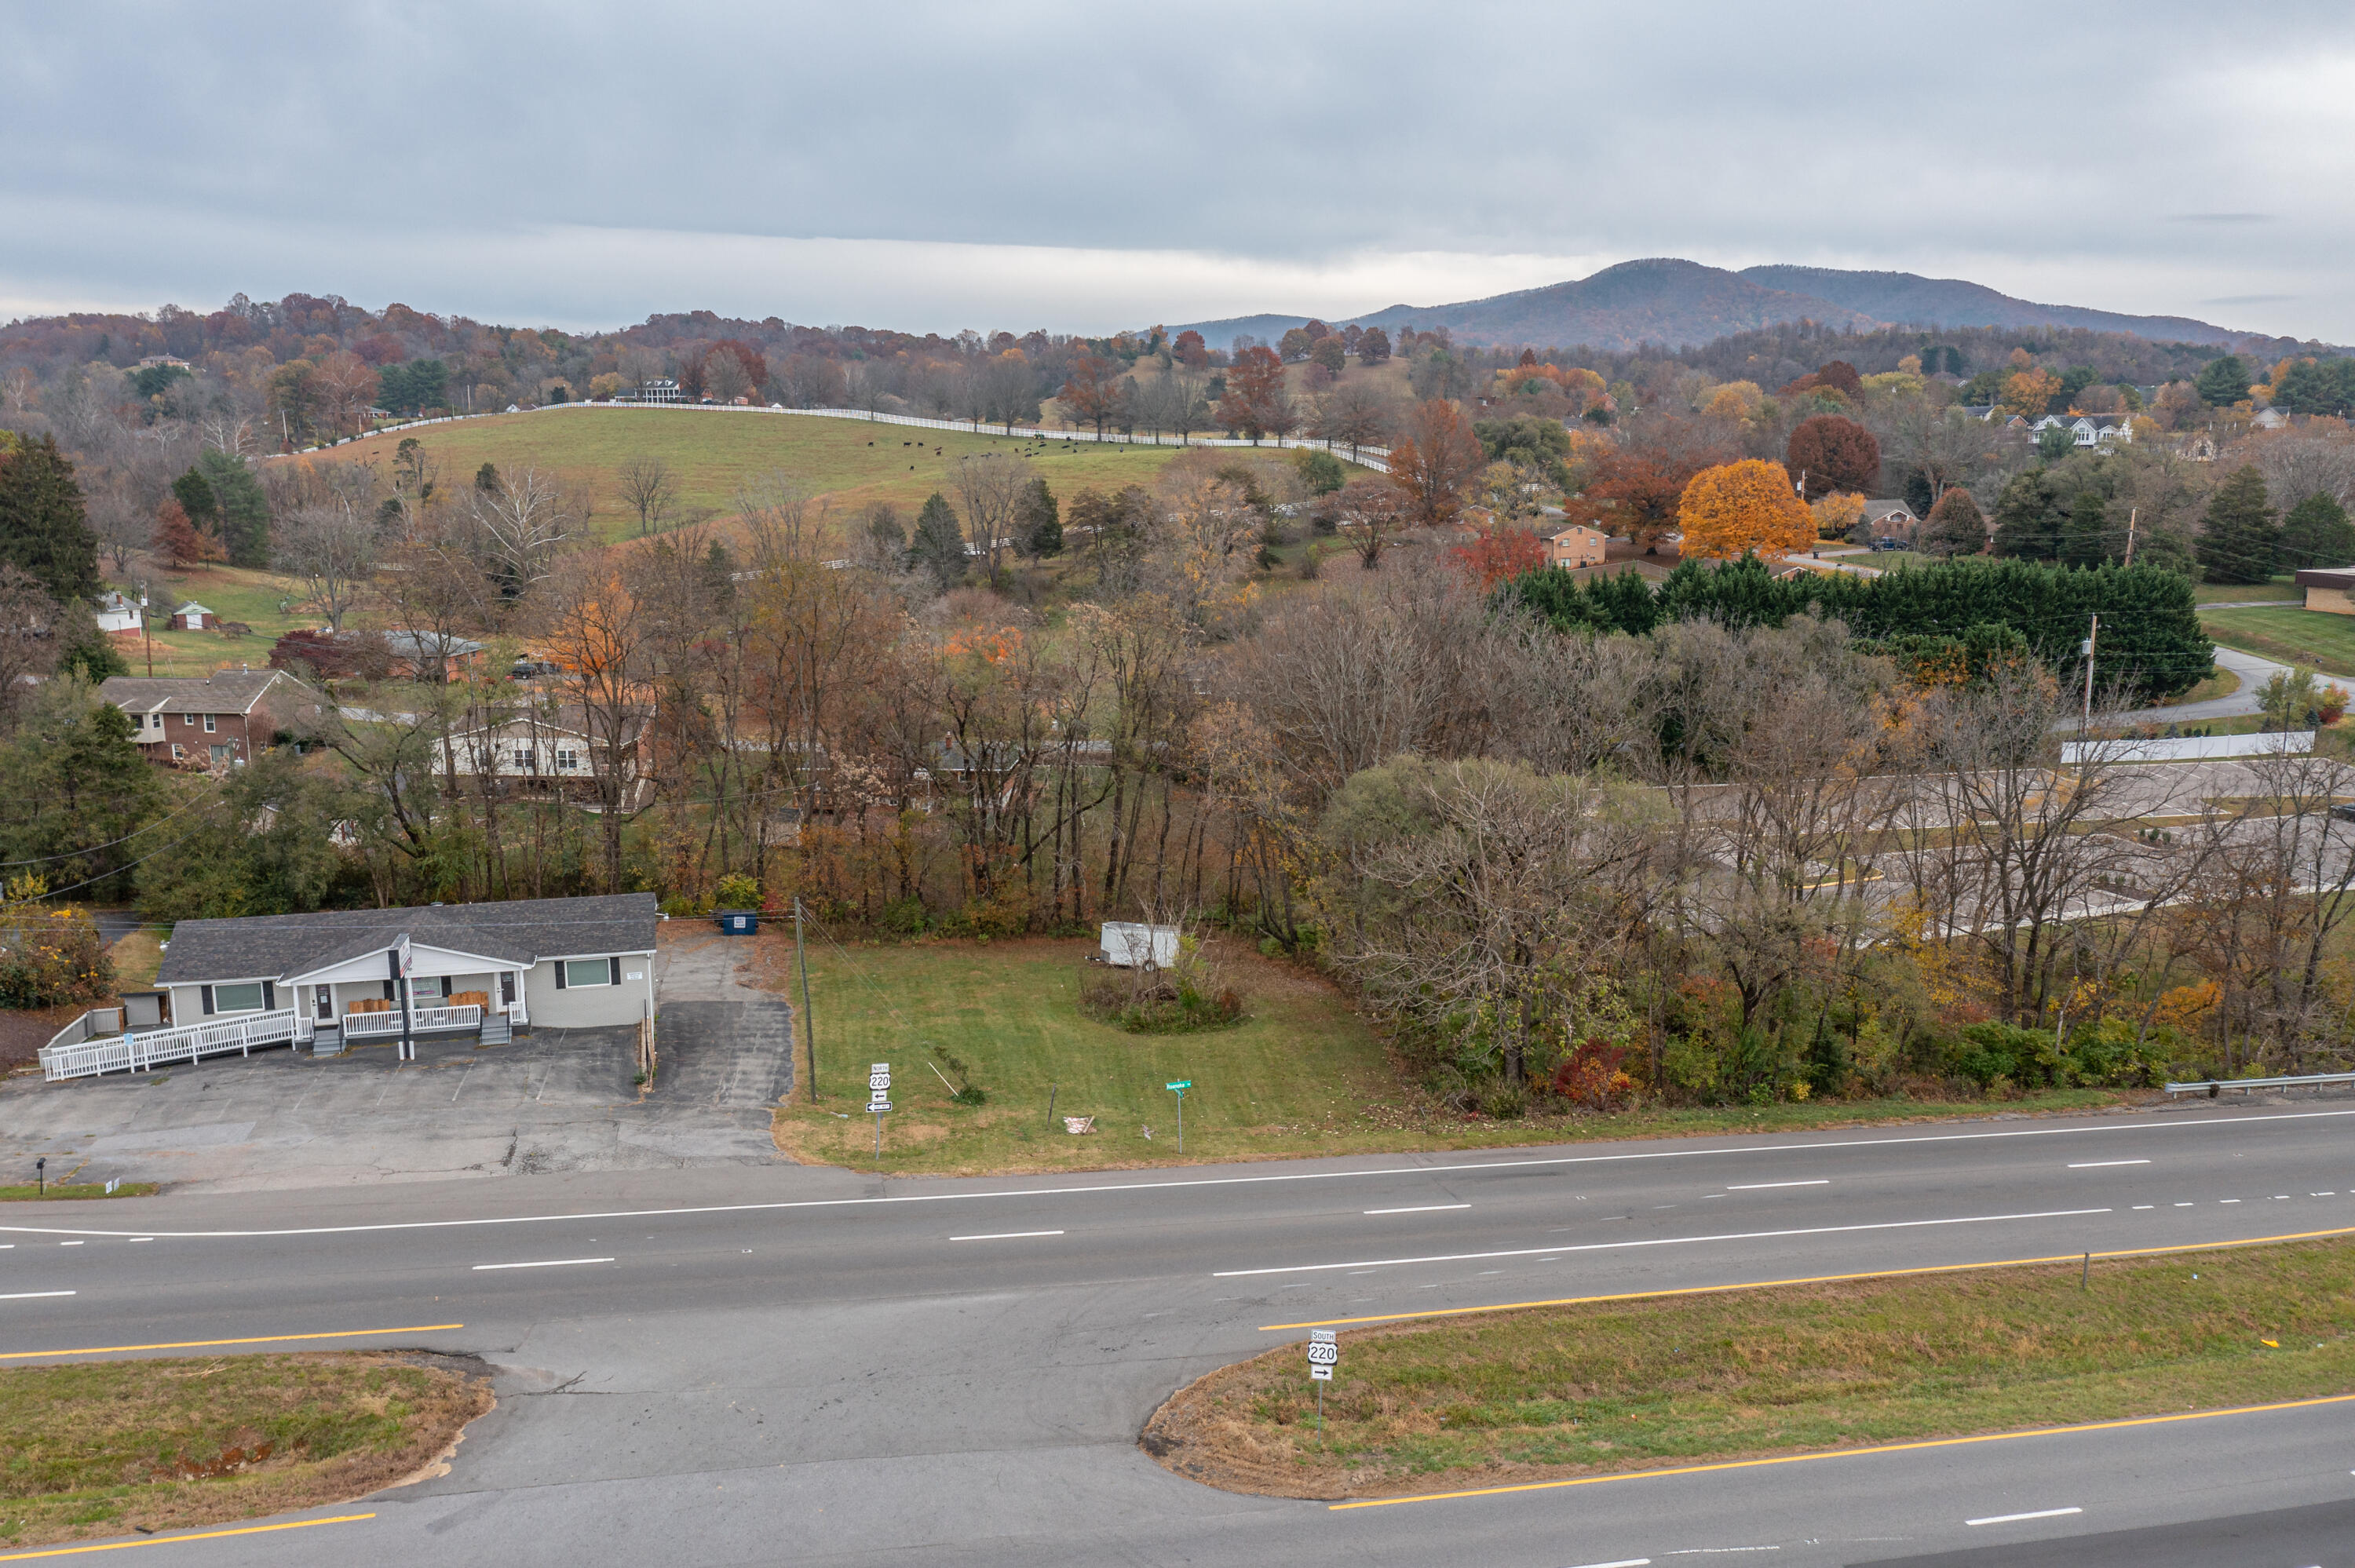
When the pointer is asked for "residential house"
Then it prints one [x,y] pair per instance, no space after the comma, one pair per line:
[119,613]
[2269,419]
[193,617]
[1889,518]
[660,389]
[1577,545]
[222,721]
[2328,588]
[432,657]
[565,963]
[2088,430]
[558,752]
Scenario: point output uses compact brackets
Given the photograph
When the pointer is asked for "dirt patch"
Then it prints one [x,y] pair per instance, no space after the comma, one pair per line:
[24,1033]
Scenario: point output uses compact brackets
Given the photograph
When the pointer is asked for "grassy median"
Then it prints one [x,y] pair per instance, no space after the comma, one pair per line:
[1630,1386]
[1303,1075]
[108,1448]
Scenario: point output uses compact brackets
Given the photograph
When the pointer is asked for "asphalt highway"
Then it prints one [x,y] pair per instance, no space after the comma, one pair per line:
[757,1365]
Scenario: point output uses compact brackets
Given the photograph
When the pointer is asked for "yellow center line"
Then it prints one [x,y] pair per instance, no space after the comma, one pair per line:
[174,1540]
[1848,1453]
[1807,1280]
[207,1344]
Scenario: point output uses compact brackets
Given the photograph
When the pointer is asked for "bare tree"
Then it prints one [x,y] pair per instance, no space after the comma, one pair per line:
[989,491]
[650,490]
[1371,513]
[332,549]
[1357,413]
[519,524]
[784,517]
[724,377]
[123,526]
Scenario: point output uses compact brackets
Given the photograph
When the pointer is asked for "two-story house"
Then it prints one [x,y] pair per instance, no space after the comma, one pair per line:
[221,721]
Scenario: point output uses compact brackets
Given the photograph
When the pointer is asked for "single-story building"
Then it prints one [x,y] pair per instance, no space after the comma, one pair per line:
[1577,545]
[564,963]
[193,617]
[2328,589]
[1888,517]
[222,721]
[118,612]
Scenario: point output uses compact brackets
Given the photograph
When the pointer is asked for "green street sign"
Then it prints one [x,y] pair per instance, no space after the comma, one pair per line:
[1181,1085]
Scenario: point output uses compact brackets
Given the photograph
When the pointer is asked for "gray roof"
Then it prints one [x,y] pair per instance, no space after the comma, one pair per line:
[429,644]
[273,947]
[222,692]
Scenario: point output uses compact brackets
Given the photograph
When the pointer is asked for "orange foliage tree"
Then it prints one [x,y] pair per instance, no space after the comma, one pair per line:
[1435,461]
[1744,508]
[1499,554]
[1648,484]
[181,542]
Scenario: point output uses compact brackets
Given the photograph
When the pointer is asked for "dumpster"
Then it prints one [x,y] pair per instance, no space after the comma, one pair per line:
[738,922]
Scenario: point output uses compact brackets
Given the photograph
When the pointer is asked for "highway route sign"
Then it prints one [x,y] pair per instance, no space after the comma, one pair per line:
[879,1077]
[1323,1354]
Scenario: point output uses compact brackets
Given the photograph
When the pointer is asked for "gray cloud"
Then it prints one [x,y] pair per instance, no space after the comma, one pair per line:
[939,165]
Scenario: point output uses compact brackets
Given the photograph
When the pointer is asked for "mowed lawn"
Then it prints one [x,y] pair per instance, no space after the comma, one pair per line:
[1301,1074]
[1638,1384]
[849,461]
[235,594]
[2291,635]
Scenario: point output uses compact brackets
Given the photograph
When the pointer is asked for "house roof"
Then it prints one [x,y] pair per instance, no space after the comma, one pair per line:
[193,605]
[2327,578]
[1887,508]
[222,692]
[275,946]
[429,645]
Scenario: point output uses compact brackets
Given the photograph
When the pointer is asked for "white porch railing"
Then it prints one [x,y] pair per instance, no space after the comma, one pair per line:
[138,1053]
[361,1025]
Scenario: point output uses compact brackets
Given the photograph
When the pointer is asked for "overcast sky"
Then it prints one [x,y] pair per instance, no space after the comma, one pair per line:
[1083,167]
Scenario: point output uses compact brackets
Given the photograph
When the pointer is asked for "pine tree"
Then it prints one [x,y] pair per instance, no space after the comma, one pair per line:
[2085,538]
[2316,532]
[42,528]
[2239,541]
[243,525]
[939,547]
[2027,518]
[2224,381]
[1039,524]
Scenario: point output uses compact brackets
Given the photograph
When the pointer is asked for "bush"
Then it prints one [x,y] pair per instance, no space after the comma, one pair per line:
[49,955]
[902,916]
[1594,1076]
[1167,1003]
[738,891]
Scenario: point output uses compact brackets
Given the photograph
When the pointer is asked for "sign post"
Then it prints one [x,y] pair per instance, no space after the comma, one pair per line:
[1179,1088]
[1324,1355]
[401,959]
[879,1101]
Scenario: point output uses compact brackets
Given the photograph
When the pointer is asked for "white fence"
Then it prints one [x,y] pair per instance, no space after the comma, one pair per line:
[2185,749]
[158,1047]
[1375,457]
[360,1024]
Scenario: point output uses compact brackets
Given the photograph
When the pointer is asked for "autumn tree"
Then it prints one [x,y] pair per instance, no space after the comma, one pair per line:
[1744,508]
[1499,554]
[1190,350]
[1955,526]
[1257,403]
[1645,486]
[1374,346]
[1834,454]
[594,626]
[1094,392]
[1358,413]
[1436,462]
[2029,393]
[180,542]
[1368,512]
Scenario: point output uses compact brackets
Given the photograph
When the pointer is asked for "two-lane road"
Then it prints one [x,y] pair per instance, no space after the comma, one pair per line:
[804,1364]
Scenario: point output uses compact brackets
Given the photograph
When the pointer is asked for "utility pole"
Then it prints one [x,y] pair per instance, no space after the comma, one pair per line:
[809,1024]
[2094,632]
[147,627]
[2132,512]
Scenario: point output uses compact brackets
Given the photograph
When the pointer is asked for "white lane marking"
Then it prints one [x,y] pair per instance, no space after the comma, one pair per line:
[2228,1200]
[34,1295]
[1620,1562]
[1008,1236]
[2105,1164]
[71,1244]
[549,1263]
[2322,1195]
[143,1238]
[2016,1517]
[1420,1209]
[1762,1186]
[2183,1206]
[1718,1551]
[2139,1207]
[1663,1241]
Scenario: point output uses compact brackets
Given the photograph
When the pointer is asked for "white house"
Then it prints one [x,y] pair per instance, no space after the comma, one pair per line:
[2088,430]
[559,963]
[549,750]
[194,616]
[118,611]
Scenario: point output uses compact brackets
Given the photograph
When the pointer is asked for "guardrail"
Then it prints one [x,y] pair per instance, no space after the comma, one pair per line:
[186,1042]
[357,1024]
[2211,1087]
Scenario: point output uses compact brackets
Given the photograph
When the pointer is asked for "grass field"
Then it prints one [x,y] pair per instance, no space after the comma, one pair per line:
[2245,593]
[1303,1075]
[33,1193]
[849,461]
[234,593]
[1679,1379]
[115,1447]
[2294,636]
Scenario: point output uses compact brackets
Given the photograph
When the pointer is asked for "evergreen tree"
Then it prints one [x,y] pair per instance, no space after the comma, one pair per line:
[487,478]
[2239,541]
[2224,381]
[244,519]
[939,547]
[2316,533]
[194,491]
[2028,517]
[79,784]
[42,528]
[1039,523]
[1955,526]
[2085,537]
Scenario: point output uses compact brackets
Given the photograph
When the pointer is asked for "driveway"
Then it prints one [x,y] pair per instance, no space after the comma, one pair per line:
[2254,671]
[554,1101]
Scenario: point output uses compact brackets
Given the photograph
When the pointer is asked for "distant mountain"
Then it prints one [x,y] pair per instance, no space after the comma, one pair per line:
[1681,303]
[1907,299]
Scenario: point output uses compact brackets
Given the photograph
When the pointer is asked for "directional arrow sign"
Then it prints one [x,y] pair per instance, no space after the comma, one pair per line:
[878,1108]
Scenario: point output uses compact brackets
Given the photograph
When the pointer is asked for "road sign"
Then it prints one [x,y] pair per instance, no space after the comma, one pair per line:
[876,1107]
[1323,1354]
[879,1077]
[1181,1085]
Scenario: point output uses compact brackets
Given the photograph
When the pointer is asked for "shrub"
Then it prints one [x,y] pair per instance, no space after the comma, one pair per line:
[738,891]
[1594,1076]
[49,955]
[1169,1003]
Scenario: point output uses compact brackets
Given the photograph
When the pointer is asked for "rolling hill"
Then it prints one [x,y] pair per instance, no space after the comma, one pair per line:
[1681,303]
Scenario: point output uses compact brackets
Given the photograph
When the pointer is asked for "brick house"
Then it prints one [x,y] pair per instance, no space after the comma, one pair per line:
[1577,545]
[222,721]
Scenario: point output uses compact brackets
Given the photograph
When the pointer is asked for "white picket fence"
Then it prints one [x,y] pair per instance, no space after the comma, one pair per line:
[1375,457]
[159,1047]
[358,1025]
